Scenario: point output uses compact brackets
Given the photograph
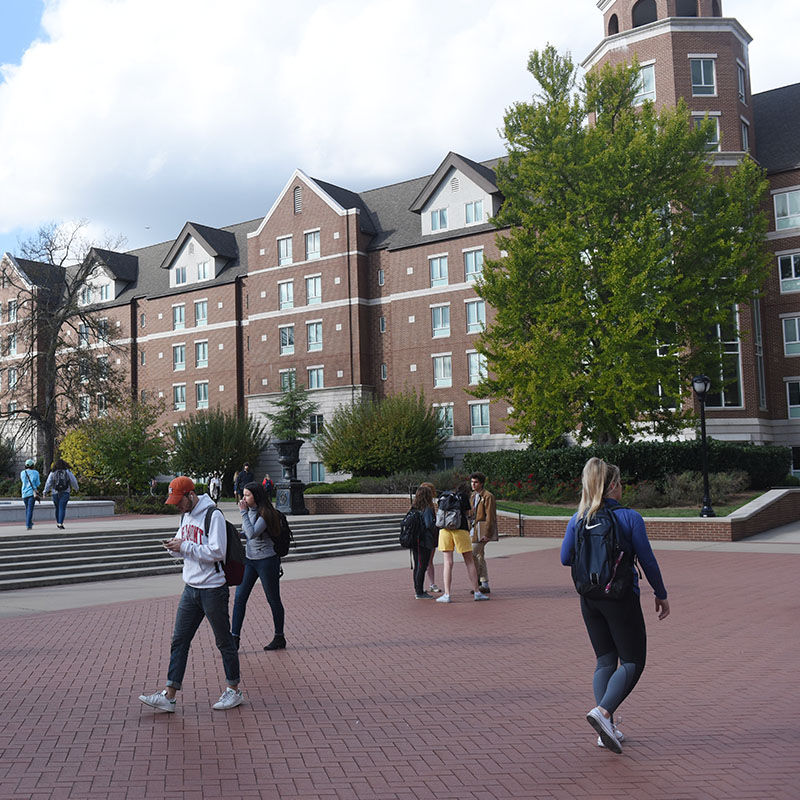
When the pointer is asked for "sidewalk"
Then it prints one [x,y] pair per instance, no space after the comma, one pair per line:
[381,696]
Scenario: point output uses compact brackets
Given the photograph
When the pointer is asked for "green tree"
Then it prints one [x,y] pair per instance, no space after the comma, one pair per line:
[398,433]
[626,249]
[217,441]
[121,451]
[292,414]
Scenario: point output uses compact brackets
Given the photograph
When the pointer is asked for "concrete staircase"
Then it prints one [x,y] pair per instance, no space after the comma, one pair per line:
[100,556]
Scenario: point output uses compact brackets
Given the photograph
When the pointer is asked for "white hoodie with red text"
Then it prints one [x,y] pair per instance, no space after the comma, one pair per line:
[201,552]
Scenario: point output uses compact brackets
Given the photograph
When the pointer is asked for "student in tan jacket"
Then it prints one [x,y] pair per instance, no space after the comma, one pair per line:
[483,525]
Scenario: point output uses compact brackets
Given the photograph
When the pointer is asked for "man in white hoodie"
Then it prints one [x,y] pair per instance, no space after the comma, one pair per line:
[205,595]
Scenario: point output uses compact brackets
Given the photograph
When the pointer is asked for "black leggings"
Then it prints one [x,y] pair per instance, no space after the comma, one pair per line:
[422,557]
[619,638]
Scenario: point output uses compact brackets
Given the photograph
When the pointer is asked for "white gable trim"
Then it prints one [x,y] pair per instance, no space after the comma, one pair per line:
[9,259]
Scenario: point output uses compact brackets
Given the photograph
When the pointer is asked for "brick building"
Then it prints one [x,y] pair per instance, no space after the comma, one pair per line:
[363,294]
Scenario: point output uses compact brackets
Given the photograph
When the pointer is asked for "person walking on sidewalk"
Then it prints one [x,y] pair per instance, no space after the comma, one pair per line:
[261,522]
[483,525]
[243,477]
[616,626]
[205,595]
[30,490]
[60,482]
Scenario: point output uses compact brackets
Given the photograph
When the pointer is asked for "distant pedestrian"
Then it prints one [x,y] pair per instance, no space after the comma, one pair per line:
[204,595]
[60,482]
[30,490]
[215,487]
[616,626]
[483,525]
[261,523]
[268,485]
[451,539]
[422,549]
[242,479]
[153,487]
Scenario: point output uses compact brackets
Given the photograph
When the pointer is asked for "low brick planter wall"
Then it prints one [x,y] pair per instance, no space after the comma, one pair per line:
[773,509]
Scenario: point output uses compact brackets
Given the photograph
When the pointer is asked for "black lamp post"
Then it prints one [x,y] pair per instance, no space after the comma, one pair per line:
[701,385]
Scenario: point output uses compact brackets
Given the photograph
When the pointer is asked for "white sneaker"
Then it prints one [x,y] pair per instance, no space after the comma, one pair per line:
[617,732]
[480,596]
[230,698]
[606,730]
[158,700]
[445,598]
[434,588]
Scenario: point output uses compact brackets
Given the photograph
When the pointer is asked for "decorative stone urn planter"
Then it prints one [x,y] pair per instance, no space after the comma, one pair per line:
[289,491]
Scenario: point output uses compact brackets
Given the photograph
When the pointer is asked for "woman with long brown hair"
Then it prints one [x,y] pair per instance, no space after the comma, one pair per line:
[422,549]
[261,522]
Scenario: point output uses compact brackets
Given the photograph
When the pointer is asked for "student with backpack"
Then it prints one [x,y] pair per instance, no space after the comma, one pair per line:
[602,543]
[30,480]
[60,481]
[423,543]
[201,541]
[262,524]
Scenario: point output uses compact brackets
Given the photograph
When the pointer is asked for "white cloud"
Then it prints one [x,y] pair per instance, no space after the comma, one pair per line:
[137,113]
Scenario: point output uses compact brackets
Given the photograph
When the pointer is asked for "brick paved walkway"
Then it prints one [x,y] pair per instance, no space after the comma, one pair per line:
[381,696]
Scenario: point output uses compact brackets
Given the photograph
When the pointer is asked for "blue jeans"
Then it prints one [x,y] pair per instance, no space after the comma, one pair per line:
[60,500]
[269,570]
[30,502]
[194,605]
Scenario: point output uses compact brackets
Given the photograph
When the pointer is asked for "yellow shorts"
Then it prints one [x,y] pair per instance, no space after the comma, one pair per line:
[450,540]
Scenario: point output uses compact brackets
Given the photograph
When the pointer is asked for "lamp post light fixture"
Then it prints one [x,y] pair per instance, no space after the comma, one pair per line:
[701,385]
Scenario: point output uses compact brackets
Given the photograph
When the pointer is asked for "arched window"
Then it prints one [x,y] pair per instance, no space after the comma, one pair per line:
[298,199]
[686,8]
[716,11]
[613,25]
[644,12]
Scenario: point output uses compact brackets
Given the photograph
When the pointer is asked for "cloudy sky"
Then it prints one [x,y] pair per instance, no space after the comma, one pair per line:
[139,115]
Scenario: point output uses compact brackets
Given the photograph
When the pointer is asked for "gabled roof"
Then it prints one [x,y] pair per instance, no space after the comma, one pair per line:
[219,243]
[48,278]
[348,199]
[478,173]
[776,115]
[123,266]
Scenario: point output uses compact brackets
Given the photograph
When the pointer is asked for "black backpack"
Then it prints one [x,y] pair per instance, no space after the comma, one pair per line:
[448,511]
[601,569]
[411,528]
[284,540]
[234,551]
[61,481]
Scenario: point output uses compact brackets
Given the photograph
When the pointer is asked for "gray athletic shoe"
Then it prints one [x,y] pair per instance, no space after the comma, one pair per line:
[230,698]
[158,700]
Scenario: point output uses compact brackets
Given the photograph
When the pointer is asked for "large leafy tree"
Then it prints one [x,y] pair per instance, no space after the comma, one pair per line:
[626,249]
[217,441]
[400,432]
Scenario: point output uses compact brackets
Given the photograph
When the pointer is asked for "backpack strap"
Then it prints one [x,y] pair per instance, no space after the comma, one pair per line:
[206,527]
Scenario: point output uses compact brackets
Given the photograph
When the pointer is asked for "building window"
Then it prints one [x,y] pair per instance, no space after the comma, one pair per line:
[646,89]
[445,419]
[202,271]
[712,143]
[745,136]
[476,368]
[314,335]
[179,397]
[791,336]
[442,371]
[789,267]
[201,394]
[141,358]
[312,245]
[286,294]
[13,378]
[142,320]
[316,378]
[102,367]
[758,341]
[286,335]
[105,292]
[11,344]
[476,316]
[12,310]
[102,406]
[384,372]
[793,389]
[729,377]
[178,317]
[288,379]
[317,471]
[742,83]
[473,212]
[703,76]
[285,250]
[313,290]
[439,219]
[473,264]
[83,369]
[298,199]
[201,354]
[83,335]
[102,330]
[85,296]
[382,324]
[440,317]
[201,313]
[178,357]
[438,269]
[83,405]
[180,275]
[381,277]
[316,423]
[479,418]
[787,212]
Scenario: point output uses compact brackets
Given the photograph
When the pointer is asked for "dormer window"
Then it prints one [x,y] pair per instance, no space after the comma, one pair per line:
[202,270]
[439,219]
[180,275]
[285,250]
[104,292]
[474,212]
[85,296]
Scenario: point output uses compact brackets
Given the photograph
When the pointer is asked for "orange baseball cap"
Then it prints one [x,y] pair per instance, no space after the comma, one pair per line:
[179,487]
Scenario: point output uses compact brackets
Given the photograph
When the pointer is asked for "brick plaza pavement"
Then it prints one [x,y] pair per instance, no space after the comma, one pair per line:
[381,696]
